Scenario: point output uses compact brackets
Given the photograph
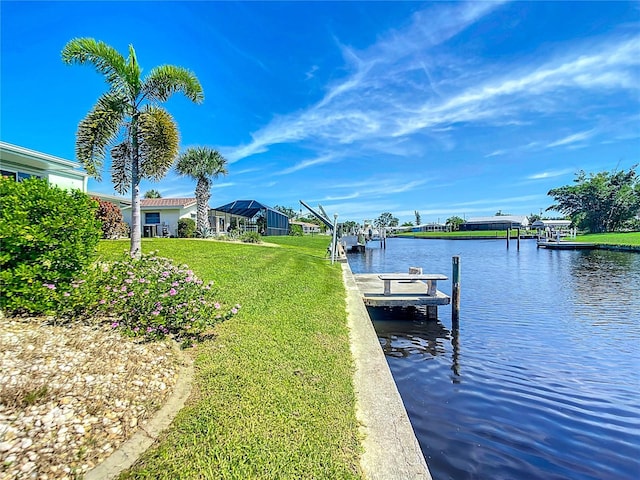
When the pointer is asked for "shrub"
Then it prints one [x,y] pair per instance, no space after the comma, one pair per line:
[113,226]
[48,237]
[186,228]
[152,298]
[295,230]
[251,237]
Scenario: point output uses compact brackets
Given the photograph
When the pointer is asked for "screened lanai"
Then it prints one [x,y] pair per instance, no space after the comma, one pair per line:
[248,216]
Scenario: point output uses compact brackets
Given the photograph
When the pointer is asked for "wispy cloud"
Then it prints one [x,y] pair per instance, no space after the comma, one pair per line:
[401,86]
[308,163]
[551,174]
[576,137]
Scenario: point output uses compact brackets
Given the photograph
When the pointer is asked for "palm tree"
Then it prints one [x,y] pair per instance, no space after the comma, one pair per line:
[203,164]
[129,116]
[152,194]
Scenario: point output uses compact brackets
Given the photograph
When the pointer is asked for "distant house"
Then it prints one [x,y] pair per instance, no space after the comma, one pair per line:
[248,216]
[430,227]
[159,216]
[499,222]
[21,163]
[307,228]
[552,224]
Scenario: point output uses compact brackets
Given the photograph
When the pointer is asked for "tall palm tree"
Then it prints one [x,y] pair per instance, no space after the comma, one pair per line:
[128,117]
[204,165]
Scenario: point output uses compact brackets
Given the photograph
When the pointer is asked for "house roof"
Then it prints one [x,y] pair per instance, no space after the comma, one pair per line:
[551,223]
[167,202]
[522,219]
[245,208]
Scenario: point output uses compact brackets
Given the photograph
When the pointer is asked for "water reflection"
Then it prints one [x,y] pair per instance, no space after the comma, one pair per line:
[406,331]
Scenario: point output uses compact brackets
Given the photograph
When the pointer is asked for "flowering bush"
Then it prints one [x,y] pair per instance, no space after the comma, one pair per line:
[152,297]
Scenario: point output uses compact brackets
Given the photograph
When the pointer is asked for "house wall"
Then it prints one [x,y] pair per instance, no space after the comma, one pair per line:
[168,217]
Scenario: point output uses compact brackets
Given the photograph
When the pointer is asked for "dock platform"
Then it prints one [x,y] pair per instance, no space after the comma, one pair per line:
[405,293]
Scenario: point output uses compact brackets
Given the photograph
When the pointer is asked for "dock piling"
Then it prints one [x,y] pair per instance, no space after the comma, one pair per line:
[455,291]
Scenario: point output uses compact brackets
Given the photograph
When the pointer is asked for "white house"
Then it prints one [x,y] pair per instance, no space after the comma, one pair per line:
[159,216]
[21,163]
[307,228]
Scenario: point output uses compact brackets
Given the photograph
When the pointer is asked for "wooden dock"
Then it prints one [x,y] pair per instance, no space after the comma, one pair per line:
[565,245]
[403,292]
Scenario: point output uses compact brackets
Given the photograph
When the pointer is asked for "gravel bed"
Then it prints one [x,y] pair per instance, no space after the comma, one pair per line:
[71,395]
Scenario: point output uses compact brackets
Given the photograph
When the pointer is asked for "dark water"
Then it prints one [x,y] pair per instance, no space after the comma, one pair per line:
[542,379]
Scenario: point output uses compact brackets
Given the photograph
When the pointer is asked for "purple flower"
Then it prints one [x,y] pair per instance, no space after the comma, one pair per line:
[188,279]
[172,292]
[124,288]
[142,280]
[102,302]
[155,312]
[66,294]
[165,274]
[216,305]
[130,294]
[234,310]
[115,325]
[128,280]
[146,292]
[175,284]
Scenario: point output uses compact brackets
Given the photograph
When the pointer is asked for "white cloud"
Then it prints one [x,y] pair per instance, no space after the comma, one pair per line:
[551,174]
[576,137]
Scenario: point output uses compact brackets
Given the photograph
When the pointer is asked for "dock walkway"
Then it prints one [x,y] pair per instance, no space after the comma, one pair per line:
[404,293]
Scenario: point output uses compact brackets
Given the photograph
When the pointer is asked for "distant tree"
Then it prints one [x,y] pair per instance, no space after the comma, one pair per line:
[152,194]
[601,202]
[350,226]
[417,214]
[203,164]
[454,223]
[386,219]
[129,115]
[407,224]
[500,214]
[289,212]
[534,217]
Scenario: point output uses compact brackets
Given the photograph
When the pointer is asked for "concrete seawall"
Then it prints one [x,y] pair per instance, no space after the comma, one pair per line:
[391,450]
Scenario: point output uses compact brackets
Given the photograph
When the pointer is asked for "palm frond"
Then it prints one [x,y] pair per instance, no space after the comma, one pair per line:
[197,162]
[165,80]
[158,141]
[121,160]
[97,129]
[105,58]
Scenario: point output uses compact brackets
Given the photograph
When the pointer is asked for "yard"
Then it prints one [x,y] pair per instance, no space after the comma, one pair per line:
[273,394]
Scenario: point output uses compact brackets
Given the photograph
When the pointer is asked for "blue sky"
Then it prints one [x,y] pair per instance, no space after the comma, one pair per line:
[448,108]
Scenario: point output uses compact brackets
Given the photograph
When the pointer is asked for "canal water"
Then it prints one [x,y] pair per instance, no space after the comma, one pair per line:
[541,381]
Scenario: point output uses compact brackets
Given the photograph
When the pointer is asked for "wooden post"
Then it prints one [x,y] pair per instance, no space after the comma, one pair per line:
[518,231]
[455,292]
[508,235]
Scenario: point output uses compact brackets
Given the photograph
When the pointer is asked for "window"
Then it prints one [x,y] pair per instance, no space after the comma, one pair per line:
[8,174]
[152,218]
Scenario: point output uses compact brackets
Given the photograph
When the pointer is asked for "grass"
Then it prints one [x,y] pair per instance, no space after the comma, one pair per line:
[626,238]
[273,395]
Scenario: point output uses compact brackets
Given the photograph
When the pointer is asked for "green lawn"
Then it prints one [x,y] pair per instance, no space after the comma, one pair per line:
[273,395]
[630,238]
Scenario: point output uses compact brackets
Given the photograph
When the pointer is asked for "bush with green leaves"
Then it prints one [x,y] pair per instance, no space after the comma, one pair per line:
[295,230]
[251,237]
[48,236]
[152,298]
[186,228]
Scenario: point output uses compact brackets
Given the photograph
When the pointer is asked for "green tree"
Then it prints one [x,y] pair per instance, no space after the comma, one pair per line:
[533,217]
[386,219]
[203,164]
[350,226]
[418,219]
[129,113]
[407,224]
[289,212]
[600,202]
[152,194]
[454,223]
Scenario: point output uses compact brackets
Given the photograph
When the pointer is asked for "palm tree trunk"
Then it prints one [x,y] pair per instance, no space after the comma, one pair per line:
[136,242]
[202,198]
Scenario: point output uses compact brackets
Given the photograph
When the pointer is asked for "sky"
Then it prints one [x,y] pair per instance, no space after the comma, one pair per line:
[446,108]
